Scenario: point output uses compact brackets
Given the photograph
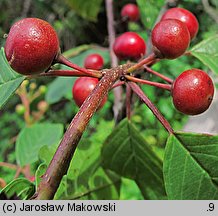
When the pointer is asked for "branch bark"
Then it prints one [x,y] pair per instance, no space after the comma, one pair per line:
[211,11]
[60,163]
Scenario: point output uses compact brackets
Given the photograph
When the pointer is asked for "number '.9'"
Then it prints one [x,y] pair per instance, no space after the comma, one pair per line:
[211,207]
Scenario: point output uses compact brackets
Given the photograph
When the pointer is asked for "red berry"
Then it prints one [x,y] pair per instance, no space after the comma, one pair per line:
[94,61]
[131,11]
[129,45]
[170,38]
[186,17]
[31,46]
[192,92]
[82,88]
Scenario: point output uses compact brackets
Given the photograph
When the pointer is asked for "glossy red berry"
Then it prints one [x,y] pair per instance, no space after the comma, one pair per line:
[129,45]
[94,61]
[31,46]
[192,92]
[170,38]
[186,17]
[82,88]
[131,11]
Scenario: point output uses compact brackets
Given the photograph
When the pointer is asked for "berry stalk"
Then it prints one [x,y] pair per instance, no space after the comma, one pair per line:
[128,101]
[151,106]
[147,60]
[119,83]
[62,60]
[167,79]
[71,73]
[60,163]
[147,82]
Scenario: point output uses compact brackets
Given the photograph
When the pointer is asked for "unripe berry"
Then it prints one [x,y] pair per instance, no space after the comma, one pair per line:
[129,45]
[170,38]
[42,106]
[192,92]
[32,86]
[94,62]
[42,89]
[186,17]
[130,11]
[20,109]
[82,88]
[31,46]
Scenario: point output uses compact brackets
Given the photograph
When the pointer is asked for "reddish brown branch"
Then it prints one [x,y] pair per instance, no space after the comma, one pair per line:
[60,163]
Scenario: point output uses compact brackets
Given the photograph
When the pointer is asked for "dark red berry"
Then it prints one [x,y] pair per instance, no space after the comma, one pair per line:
[94,61]
[82,88]
[129,45]
[130,11]
[186,17]
[31,46]
[170,38]
[192,92]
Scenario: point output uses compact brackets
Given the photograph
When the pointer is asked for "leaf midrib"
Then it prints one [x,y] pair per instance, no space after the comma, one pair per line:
[196,161]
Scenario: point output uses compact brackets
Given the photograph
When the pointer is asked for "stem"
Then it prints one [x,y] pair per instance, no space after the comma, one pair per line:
[70,73]
[8,165]
[128,101]
[111,31]
[167,79]
[114,61]
[151,106]
[60,163]
[148,60]
[147,82]
[117,84]
[62,60]
[26,103]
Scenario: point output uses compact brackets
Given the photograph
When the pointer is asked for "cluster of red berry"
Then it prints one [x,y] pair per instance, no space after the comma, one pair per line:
[32,46]
[84,85]
[193,90]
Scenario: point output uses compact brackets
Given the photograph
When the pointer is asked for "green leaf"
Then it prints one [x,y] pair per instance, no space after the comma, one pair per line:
[31,139]
[126,152]
[9,79]
[59,88]
[21,188]
[207,52]
[90,180]
[79,59]
[76,50]
[87,9]
[129,190]
[99,185]
[190,167]
[149,10]
[39,173]
[86,179]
